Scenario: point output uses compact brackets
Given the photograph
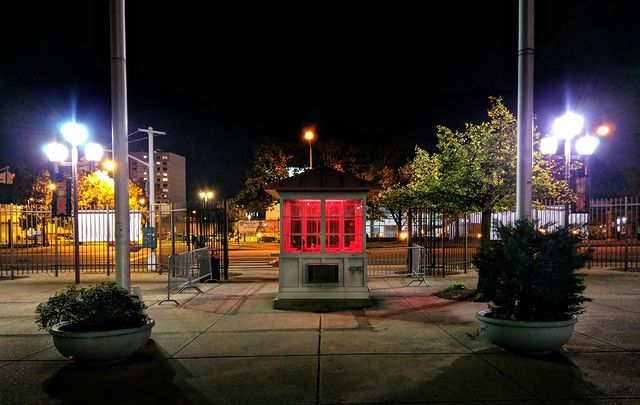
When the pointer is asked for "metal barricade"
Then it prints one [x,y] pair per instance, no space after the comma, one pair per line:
[403,261]
[187,268]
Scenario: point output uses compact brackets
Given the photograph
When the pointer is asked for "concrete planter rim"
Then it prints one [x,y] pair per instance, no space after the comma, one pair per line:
[485,316]
[58,330]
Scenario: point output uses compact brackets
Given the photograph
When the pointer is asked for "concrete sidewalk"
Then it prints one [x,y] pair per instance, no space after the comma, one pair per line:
[229,345]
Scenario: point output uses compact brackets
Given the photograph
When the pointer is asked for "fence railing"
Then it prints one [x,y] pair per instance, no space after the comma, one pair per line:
[610,230]
[33,241]
[408,261]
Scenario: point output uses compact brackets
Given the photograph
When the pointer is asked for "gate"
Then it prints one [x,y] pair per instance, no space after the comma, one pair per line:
[612,233]
[449,241]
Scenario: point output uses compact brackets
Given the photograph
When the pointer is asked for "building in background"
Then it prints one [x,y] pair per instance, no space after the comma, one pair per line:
[170,173]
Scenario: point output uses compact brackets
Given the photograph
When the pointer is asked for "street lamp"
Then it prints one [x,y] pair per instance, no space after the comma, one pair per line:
[206,195]
[75,134]
[566,127]
[309,135]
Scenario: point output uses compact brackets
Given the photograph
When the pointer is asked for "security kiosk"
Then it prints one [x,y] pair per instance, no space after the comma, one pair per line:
[323,259]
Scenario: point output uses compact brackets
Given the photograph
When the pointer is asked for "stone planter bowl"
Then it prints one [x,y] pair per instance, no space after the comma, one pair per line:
[526,337]
[100,347]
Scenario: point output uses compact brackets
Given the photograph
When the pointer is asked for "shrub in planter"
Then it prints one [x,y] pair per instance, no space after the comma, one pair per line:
[532,276]
[98,308]
[99,324]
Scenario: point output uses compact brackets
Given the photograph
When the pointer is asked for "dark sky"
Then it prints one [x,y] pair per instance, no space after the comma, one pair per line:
[219,78]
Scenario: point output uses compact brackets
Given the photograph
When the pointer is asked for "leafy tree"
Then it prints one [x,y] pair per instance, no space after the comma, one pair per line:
[96,190]
[270,163]
[395,196]
[475,170]
[40,191]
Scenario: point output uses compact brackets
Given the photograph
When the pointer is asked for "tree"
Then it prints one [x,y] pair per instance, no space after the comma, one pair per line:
[270,163]
[40,191]
[96,190]
[475,170]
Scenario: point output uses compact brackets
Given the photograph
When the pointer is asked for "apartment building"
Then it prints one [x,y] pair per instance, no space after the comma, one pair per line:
[170,176]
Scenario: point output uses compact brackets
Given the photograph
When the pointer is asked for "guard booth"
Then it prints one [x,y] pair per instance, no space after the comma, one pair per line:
[323,259]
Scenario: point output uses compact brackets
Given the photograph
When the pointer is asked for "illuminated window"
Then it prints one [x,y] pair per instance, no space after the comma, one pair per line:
[343,225]
[343,221]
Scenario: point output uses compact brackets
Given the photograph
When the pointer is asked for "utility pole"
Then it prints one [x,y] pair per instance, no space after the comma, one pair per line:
[525,110]
[151,262]
[119,127]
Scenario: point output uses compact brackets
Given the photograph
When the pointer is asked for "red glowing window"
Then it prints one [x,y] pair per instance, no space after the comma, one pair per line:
[343,225]
[301,226]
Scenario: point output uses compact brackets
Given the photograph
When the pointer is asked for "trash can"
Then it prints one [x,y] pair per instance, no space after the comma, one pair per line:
[215,266]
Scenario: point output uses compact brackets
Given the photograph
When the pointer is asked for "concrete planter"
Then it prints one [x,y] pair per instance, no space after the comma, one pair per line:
[100,347]
[526,337]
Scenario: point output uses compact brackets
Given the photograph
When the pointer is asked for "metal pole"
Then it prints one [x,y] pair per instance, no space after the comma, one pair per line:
[152,198]
[466,240]
[108,241]
[76,240]
[310,156]
[120,143]
[567,177]
[626,234]
[226,240]
[525,110]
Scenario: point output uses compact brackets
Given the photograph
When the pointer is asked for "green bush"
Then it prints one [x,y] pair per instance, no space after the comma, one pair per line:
[532,275]
[98,308]
[455,286]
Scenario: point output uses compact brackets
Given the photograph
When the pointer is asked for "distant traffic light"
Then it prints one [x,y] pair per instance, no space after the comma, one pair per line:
[7,177]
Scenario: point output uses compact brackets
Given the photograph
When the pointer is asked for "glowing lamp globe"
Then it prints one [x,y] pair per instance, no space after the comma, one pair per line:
[74,133]
[548,145]
[568,125]
[587,144]
[93,152]
[56,152]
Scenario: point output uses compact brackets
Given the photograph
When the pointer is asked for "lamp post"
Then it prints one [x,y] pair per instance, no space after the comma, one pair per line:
[75,134]
[206,195]
[309,135]
[566,127]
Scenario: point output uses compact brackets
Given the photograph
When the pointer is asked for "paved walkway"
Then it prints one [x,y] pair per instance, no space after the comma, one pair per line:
[229,345]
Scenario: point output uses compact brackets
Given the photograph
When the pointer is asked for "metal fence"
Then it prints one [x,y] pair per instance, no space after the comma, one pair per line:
[33,241]
[609,230]
[401,261]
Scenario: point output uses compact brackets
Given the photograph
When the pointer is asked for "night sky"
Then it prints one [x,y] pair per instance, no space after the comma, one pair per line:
[219,78]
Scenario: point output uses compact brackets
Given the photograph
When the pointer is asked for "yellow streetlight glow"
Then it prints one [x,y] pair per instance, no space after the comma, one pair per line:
[603,130]
[109,165]
[52,186]
[206,195]
[403,235]
[309,135]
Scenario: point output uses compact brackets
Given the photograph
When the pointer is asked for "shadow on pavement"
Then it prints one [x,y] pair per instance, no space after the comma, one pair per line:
[146,377]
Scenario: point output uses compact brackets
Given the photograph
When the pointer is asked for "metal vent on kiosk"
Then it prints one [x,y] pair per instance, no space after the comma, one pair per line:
[322,273]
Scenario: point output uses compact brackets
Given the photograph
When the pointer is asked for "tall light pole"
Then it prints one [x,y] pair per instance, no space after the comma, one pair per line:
[76,134]
[525,110]
[120,132]
[567,127]
[309,135]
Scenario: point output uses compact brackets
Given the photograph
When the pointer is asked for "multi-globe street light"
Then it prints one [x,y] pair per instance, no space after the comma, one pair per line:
[206,196]
[566,128]
[76,135]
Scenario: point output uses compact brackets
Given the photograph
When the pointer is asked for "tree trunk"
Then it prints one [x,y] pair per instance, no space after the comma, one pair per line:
[485,230]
